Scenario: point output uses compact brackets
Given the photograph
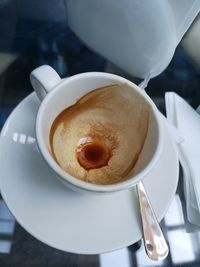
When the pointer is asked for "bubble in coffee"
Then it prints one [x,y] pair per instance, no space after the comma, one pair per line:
[100,137]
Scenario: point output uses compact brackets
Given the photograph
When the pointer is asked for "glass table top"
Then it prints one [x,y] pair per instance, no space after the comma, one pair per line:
[31,35]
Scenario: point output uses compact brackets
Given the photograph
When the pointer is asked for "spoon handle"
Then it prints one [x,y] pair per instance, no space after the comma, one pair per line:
[155,244]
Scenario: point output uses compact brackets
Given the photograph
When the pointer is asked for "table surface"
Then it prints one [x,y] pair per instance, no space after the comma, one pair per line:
[33,34]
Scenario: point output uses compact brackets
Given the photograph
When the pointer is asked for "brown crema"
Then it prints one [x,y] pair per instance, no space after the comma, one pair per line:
[99,138]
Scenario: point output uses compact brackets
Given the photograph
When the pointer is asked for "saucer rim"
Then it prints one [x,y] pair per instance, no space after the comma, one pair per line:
[85,252]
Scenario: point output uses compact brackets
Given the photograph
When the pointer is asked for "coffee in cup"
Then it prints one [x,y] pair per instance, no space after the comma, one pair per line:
[99,139]
[97,131]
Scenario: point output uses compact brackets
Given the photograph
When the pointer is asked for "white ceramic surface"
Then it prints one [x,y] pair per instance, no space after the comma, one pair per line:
[64,219]
[140,37]
[58,94]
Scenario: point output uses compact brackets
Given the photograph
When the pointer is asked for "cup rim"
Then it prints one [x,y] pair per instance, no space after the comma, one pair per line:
[65,177]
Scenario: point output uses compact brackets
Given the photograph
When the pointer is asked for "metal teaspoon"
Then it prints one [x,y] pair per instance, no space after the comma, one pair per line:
[154,241]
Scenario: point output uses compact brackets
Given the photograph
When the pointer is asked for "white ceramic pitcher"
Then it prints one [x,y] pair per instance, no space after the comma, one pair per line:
[140,37]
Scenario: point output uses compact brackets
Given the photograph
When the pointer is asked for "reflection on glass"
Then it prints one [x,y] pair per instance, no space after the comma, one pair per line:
[4,212]
[116,258]
[5,246]
[181,246]
[7,225]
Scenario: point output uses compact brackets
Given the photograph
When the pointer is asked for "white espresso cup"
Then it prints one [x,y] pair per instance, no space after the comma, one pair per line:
[57,94]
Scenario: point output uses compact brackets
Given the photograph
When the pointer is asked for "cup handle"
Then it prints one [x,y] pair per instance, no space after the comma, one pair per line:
[43,79]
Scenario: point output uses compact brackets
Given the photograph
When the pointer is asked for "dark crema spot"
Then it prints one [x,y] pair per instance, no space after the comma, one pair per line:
[92,154]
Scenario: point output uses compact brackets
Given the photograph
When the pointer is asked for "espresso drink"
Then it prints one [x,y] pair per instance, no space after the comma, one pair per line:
[100,138]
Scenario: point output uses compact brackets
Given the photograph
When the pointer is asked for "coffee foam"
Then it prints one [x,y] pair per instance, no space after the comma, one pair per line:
[117,117]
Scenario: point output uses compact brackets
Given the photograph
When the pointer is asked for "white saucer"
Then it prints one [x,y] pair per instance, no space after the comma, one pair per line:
[68,220]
